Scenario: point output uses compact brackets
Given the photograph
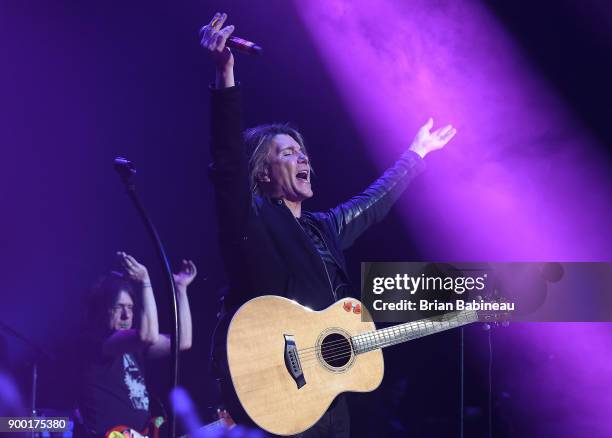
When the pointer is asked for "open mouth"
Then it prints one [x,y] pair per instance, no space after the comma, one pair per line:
[303,175]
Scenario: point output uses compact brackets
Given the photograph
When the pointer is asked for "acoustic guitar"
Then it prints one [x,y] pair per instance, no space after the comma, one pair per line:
[288,363]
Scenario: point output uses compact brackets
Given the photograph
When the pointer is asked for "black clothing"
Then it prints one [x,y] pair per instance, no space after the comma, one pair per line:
[265,250]
[112,390]
[335,422]
[332,268]
[263,247]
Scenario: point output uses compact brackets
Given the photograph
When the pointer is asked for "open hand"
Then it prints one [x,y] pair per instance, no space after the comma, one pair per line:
[186,275]
[426,141]
[134,270]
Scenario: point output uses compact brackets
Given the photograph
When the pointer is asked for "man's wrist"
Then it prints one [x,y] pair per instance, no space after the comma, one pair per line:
[225,78]
[417,150]
[145,282]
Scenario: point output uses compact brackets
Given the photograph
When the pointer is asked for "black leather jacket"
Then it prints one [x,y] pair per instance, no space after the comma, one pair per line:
[264,249]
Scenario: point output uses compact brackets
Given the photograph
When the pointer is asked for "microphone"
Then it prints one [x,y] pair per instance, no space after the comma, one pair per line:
[239,44]
[243,46]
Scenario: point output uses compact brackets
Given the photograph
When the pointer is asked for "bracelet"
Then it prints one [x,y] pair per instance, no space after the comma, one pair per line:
[145,285]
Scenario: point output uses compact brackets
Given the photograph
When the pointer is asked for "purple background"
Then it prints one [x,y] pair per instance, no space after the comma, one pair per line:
[527,177]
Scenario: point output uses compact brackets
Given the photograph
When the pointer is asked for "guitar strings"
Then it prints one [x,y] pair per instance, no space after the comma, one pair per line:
[418,326]
[368,337]
[348,353]
[341,353]
[375,335]
[326,350]
[305,352]
[341,350]
[339,341]
[345,353]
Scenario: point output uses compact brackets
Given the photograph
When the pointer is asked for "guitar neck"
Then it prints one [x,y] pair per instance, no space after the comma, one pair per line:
[412,330]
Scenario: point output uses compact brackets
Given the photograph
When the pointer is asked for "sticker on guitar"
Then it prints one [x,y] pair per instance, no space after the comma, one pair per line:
[349,305]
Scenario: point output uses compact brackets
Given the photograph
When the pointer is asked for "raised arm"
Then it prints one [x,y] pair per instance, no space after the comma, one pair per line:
[182,280]
[229,168]
[351,218]
[147,334]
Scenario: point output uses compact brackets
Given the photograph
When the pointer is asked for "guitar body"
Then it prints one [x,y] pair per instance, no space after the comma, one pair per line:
[288,363]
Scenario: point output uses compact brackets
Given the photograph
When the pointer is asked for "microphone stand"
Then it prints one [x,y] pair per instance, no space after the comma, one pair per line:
[126,171]
[39,353]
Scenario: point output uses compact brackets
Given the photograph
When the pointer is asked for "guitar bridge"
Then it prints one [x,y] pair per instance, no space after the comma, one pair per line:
[292,361]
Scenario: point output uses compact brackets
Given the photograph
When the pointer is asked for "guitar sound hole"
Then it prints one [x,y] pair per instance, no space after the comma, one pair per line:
[336,350]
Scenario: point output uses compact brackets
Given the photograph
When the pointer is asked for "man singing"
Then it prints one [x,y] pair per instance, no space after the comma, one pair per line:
[268,243]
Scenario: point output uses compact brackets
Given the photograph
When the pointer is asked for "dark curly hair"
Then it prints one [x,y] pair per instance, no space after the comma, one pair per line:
[104,295]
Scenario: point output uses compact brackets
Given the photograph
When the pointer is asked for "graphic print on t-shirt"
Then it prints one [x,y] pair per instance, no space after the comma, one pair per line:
[134,380]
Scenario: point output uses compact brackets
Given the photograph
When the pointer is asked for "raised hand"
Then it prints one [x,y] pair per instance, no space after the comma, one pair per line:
[134,270]
[185,276]
[425,141]
[213,38]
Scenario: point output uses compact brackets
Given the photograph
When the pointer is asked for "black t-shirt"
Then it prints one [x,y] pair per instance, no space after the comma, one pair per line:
[112,389]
